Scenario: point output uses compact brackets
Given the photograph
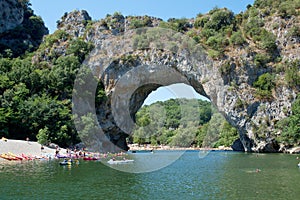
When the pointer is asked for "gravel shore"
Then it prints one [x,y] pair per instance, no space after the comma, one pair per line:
[21,146]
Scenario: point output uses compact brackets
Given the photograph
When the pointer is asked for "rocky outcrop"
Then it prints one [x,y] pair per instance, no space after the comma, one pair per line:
[11,14]
[131,63]
[74,23]
[20,29]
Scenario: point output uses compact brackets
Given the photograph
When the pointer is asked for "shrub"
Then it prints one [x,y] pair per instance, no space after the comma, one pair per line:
[264,86]
[139,23]
[237,38]
[294,32]
[265,82]
[268,41]
[261,59]
[219,19]
[215,54]
[286,9]
[292,75]
[217,42]
[201,21]
[179,25]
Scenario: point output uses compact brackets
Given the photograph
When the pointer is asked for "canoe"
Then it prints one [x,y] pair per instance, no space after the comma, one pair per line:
[90,158]
[8,157]
[15,156]
[111,161]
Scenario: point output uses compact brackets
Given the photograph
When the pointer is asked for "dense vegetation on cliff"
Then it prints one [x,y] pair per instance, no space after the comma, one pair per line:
[36,98]
[37,73]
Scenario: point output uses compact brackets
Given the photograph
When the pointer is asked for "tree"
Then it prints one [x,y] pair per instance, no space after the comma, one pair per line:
[290,126]
[42,136]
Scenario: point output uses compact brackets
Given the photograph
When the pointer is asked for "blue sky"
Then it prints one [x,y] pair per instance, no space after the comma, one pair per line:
[52,10]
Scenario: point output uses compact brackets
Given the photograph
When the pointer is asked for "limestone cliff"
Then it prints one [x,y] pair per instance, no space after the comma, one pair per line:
[229,81]
[11,15]
[20,29]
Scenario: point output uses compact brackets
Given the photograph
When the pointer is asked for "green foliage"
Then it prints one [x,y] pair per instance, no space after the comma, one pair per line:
[35,100]
[228,135]
[201,21]
[292,74]
[100,96]
[217,132]
[290,126]
[139,23]
[294,31]
[265,82]
[284,8]
[261,59]
[42,136]
[49,40]
[215,54]
[180,25]
[264,85]
[237,38]
[173,123]
[35,27]
[268,41]
[217,42]
[79,49]
[219,19]
[225,68]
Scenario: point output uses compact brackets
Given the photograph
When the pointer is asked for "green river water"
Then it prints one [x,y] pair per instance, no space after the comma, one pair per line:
[194,175]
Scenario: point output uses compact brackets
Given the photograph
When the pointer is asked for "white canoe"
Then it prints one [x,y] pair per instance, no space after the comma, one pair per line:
[111,161]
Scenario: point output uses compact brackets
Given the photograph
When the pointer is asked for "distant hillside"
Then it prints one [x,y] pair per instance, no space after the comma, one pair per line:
[183,123]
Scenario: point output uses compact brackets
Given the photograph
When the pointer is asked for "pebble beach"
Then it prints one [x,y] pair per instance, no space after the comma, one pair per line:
[19,147]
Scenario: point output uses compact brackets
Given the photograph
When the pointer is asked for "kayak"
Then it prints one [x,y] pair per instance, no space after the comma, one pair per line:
[61,156]
[65,163]
[111,161]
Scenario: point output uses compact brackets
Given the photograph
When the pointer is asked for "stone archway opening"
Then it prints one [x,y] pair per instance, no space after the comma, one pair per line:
[169,110]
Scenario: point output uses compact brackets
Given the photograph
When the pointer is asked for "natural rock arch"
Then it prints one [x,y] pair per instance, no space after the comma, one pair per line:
[132,65]
[129,74]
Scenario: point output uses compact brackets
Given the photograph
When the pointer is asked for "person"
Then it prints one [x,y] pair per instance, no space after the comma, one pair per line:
[56,151]
[27,139]
[42,147]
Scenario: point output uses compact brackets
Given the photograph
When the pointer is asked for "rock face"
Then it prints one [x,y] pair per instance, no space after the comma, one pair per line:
[11,14]
[133,63]
[20,29]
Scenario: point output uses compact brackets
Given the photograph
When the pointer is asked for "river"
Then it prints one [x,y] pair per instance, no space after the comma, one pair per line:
[194,175]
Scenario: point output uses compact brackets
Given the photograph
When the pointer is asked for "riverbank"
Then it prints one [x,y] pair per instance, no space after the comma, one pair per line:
[19,147]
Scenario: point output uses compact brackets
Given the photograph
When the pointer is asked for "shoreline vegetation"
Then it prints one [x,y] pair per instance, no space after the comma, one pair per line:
[135,147]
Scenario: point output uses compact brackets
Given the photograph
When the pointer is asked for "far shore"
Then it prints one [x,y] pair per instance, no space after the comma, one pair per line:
[134,147]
